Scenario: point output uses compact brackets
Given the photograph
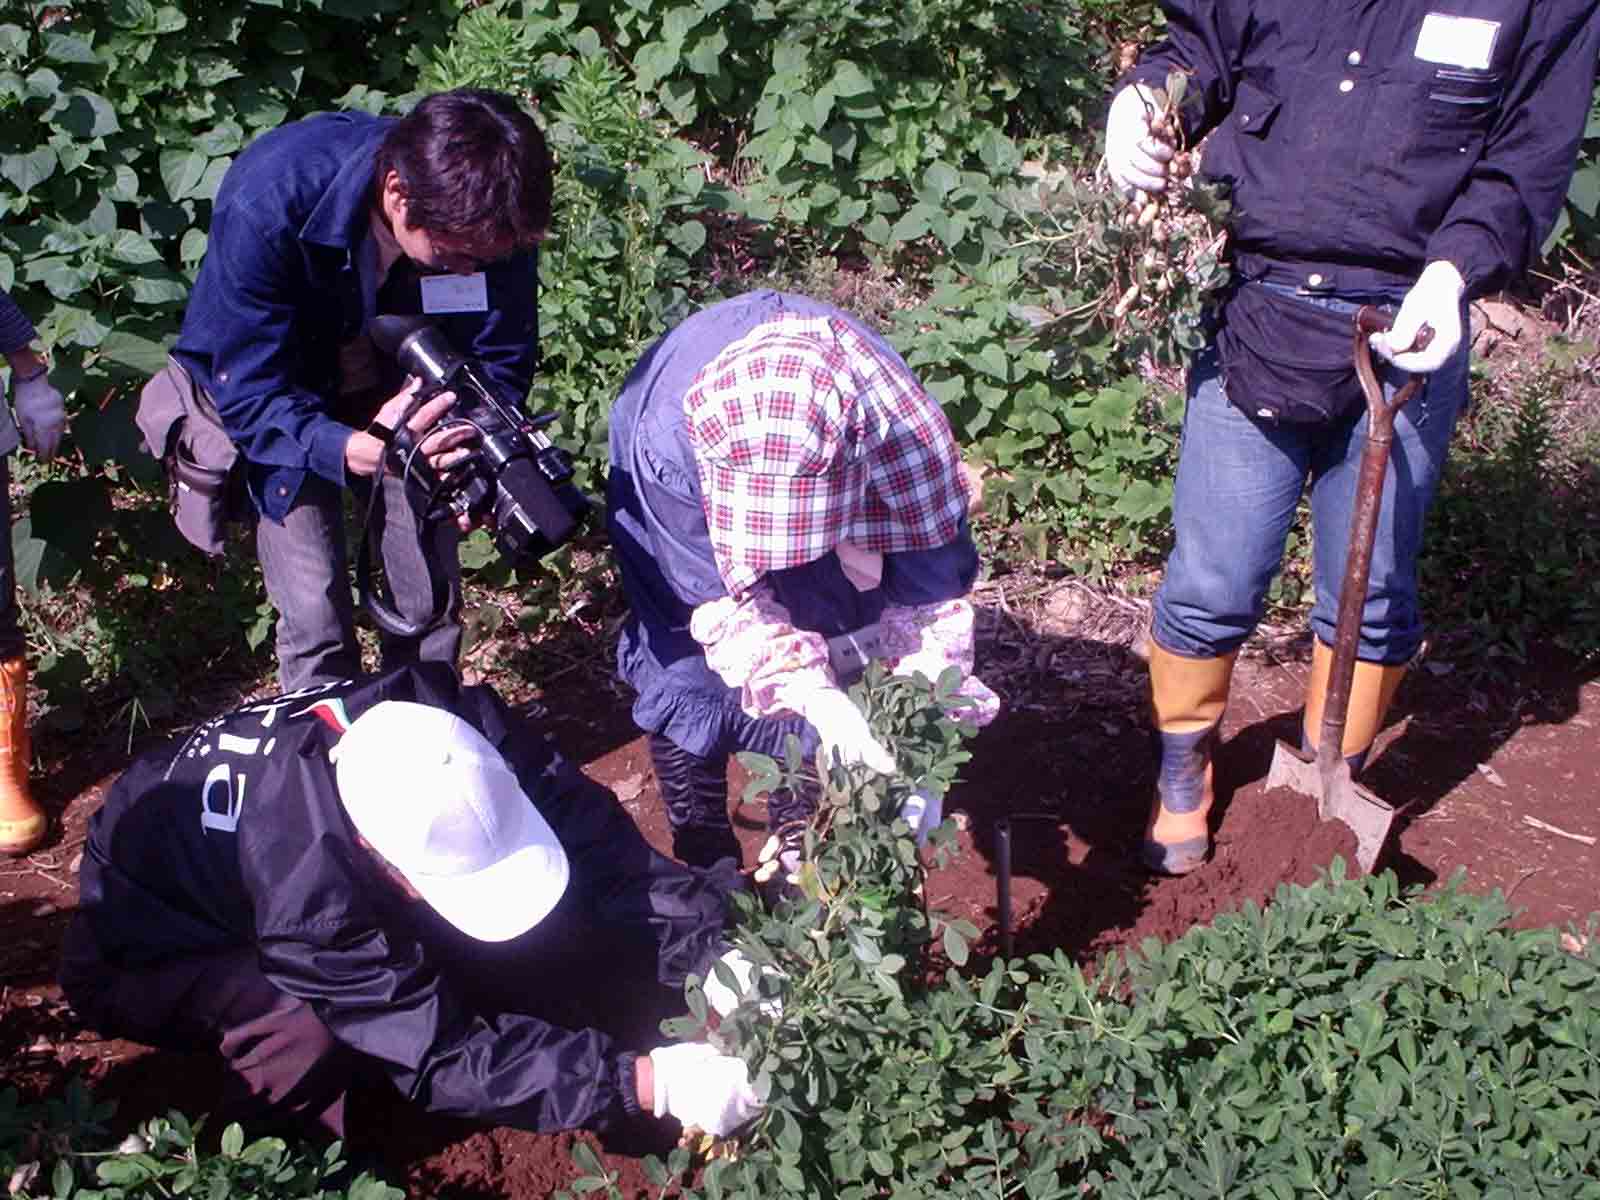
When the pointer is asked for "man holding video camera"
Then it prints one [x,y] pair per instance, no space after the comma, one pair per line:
[319,227]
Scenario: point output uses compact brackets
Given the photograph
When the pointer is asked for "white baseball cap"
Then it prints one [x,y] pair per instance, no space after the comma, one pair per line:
[429,793]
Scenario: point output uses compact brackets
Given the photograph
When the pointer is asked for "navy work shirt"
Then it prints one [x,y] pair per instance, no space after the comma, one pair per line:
[1366,138]
[279,292]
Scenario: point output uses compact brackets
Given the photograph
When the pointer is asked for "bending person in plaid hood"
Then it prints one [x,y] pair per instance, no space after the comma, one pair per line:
[785,501]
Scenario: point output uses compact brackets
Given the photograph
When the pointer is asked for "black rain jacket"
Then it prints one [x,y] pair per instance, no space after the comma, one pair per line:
[235,836]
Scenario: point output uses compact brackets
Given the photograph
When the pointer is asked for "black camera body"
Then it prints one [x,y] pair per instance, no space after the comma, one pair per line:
[513,476]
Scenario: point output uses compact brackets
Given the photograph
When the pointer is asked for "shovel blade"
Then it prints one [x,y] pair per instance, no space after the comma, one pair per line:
[1338,797]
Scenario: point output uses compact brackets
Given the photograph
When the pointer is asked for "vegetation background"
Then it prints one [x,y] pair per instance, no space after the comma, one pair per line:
[931,164]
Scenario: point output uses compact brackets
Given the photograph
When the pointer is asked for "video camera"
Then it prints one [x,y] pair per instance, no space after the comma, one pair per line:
[514,476]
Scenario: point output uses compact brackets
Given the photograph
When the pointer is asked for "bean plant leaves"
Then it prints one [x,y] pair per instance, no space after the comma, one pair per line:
[182,169]
[25,171]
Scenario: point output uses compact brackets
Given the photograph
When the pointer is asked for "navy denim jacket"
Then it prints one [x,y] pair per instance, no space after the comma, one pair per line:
[279,291]
[16,331]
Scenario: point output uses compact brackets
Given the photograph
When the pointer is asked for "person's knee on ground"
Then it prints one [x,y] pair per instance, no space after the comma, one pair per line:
[694,792]
[283,1065]
[1187,699]
[1372,689]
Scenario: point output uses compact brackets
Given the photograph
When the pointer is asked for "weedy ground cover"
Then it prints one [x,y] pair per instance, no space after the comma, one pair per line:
[1349,1039]
[57,1148]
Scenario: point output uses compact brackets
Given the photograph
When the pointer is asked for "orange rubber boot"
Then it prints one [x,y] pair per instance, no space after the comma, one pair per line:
[23,823]
[1371,689]
[1187,696]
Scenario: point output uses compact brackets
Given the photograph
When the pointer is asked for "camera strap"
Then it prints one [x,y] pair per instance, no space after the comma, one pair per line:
[378,599]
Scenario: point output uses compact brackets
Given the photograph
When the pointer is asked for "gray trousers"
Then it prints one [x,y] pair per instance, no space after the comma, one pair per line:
[306,564]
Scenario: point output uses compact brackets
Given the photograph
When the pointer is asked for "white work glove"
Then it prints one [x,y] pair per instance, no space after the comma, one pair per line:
[923,813]
[843,727]
[41,415]
[1136,160]
[702,1088]
[725,999]
[1434,300]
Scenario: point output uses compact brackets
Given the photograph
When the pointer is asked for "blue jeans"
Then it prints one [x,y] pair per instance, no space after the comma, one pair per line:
[1234,500]
[305,565]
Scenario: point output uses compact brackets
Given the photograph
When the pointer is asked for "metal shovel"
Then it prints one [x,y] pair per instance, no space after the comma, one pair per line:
[1326,776]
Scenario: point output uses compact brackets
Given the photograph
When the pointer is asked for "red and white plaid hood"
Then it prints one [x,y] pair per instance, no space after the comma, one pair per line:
[807,434]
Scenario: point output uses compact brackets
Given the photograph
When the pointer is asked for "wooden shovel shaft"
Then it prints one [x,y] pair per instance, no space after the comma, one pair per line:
[1363,531]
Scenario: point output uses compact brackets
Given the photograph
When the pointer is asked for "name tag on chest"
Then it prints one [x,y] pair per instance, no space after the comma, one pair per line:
[1457,41]
[455,293]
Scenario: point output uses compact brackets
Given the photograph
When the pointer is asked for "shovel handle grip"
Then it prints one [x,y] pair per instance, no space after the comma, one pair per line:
[1374,320]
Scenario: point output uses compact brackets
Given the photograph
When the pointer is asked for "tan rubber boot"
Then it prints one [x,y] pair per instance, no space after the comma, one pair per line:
[1187,696]
[1371,689]
[23,823]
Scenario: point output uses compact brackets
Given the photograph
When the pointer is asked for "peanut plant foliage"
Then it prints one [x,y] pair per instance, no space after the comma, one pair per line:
[1348,1040]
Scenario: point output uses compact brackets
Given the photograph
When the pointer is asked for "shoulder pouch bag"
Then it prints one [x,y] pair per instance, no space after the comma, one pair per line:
[205,476]
[1286,361]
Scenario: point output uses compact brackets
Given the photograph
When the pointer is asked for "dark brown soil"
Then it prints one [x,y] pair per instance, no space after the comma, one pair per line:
[1495,776]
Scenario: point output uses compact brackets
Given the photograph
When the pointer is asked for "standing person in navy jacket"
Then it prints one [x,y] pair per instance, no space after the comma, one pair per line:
[784,500]
[41,417]
[1412,153]
[319,226]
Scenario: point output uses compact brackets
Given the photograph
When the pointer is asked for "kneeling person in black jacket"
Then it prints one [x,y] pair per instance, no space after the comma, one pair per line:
[254,888]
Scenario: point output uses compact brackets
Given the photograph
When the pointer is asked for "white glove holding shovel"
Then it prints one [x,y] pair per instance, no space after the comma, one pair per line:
[702,1088]
[1434,300]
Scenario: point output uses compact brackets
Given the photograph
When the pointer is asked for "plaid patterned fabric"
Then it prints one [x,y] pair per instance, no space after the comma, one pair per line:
[805,434]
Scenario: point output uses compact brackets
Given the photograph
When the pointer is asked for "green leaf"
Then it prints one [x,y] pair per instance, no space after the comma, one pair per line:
[63,277]
[87,115]
[232,1140]
[911,226]
[851,80]
[955,946]
[68,48]
[1583,193]
[1142,500]
[181,171]
[688,236]
[193,246]
[122,184]
[138,354]
[130,14]
[586,1159]
[130,247]
[940,179]
[28,170]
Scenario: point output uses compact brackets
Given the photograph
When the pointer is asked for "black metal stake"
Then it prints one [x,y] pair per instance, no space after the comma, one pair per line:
[1002,862]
